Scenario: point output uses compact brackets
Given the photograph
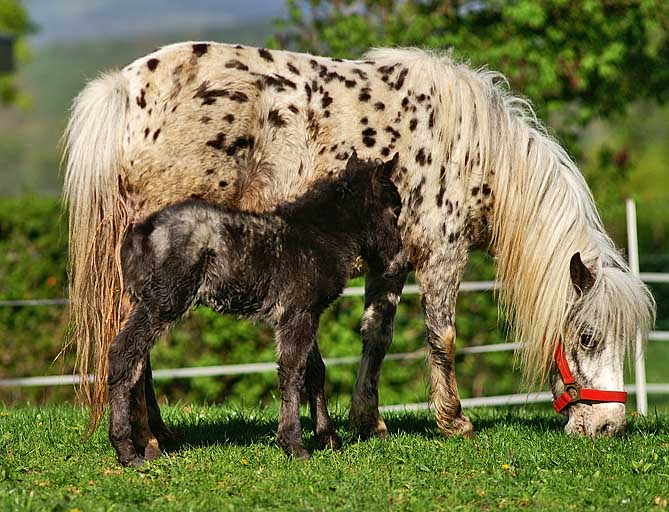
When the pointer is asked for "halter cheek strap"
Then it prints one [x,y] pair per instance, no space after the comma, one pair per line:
[574,393]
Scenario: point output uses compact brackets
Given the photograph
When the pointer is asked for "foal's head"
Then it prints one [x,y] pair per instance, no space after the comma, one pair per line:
[373,202]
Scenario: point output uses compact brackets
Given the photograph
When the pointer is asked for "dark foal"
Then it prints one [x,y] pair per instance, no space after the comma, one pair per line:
[283,267]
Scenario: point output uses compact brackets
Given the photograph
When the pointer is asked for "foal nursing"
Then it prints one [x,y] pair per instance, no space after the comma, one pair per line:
[283,267]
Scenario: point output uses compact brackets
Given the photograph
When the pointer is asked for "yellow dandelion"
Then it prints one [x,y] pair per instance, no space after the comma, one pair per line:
[506,467]
[245,461]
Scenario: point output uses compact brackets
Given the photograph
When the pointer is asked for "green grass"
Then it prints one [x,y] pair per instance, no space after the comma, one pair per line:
[227,460]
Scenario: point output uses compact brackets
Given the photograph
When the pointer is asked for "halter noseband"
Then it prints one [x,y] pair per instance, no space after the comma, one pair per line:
[574,393]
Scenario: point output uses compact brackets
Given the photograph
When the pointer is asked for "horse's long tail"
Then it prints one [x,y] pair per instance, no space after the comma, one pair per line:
[97,221]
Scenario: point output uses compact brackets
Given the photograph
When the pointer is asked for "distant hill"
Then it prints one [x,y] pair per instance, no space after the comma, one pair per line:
[29,153]
[77,20]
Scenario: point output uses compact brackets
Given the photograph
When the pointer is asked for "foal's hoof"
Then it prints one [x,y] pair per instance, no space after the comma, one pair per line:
[167,436]
[152,450]
[329,440]
[133,463]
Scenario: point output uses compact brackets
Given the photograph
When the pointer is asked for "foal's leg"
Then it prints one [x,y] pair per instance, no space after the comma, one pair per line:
[162,432]
[439,289]
[142,438]
[127,359]
[381,298]
[295,341]
[318,407]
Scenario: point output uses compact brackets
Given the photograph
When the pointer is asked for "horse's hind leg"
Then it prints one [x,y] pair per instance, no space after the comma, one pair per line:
[439,291]
[381,298]
[318,407]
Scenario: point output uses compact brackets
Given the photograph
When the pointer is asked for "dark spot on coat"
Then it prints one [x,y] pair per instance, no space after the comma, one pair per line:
[308,91]
[276,119]
[200,49]
[449,207]
[239,97]
[475,191]
[405,103]
[350,83]
[413,123]
[379,105]
[218,142]
[155,134]
[229,118]
[326,101]
[239,143]
[146,133]
[393,132]
[369,132]
[265,54]
[209,172]
[293,109]
[313,63]
[420,156]
[236,64]
[369,141]
[364,94]
[385,151]
[421,98]
[400,79]
[222,183]
[205,119]
[152,64]
[364,120]
[360,73]
[141,99]
[431,120]
[440,195]
[342,156]
[486,190]
[292,69]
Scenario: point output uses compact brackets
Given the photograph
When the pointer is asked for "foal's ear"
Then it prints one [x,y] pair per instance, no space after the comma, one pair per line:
[388,168]
[581,277]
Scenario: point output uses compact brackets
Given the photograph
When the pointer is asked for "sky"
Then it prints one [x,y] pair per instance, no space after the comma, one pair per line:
[77,20]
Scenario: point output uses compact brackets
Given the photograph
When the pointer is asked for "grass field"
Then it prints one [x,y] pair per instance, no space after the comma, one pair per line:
[227,460]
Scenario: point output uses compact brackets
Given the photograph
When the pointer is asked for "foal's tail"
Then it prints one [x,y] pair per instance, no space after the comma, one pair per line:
[97,220]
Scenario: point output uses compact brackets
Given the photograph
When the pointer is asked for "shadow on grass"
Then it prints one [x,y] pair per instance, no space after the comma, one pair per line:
[244,430]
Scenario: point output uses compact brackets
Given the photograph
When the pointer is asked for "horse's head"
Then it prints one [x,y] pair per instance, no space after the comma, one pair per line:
[611,306]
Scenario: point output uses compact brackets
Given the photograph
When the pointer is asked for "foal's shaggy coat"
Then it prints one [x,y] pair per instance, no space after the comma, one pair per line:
[284,267]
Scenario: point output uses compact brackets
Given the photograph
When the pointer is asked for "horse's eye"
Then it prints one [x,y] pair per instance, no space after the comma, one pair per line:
[588,340]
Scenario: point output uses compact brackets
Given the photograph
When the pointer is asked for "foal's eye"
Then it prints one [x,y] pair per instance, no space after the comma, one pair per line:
[588,340]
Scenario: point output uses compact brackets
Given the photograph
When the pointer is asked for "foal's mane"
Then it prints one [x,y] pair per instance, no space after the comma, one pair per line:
[543,213]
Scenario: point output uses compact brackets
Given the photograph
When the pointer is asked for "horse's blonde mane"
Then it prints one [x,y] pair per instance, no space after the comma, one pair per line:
[543,213]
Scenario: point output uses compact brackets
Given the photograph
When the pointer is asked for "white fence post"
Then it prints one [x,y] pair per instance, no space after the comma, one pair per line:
[639,356]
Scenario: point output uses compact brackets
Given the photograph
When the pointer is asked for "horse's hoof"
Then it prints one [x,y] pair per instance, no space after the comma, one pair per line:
[458,427]
[152,450]
[329,441]
[367,428]
[297,452]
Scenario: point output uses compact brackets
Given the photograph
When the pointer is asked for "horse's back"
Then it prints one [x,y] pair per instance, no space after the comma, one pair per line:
[241,126]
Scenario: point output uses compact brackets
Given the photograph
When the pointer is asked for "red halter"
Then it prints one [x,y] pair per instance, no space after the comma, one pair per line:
[574,393]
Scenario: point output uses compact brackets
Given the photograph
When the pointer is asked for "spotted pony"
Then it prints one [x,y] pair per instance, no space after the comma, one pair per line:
[251,128]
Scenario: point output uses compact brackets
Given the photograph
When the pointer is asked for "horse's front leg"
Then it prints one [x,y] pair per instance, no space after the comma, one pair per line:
[439,283]
[295,339]
[381,298]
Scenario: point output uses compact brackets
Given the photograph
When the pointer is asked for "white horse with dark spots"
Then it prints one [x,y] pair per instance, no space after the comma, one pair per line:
[251,128]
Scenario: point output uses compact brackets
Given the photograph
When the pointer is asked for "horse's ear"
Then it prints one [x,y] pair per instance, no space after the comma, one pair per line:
[581,277]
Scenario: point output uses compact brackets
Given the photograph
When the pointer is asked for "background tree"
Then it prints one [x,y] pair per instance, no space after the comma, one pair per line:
[14,22]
